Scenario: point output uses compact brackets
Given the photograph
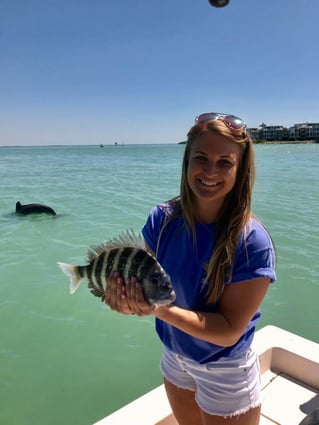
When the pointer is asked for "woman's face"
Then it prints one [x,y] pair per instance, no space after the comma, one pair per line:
[212,169]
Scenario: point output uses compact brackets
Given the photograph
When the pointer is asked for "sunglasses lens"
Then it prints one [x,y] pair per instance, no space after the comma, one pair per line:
[203,118]
[231,121]
[234,122]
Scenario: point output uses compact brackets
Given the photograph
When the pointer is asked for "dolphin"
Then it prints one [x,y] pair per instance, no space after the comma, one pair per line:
[218,3]
[33,209]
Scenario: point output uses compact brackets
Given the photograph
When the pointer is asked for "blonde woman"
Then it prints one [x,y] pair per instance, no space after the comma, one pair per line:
[221,261]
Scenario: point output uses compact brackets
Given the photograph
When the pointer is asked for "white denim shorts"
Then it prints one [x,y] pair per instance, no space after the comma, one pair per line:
[227,387]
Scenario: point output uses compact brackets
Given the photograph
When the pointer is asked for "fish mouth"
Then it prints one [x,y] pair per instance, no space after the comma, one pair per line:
[164,301]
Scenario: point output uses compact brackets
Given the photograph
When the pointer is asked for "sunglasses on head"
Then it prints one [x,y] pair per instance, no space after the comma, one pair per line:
[234,123]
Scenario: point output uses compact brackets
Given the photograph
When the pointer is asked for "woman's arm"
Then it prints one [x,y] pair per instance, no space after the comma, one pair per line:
[237,306]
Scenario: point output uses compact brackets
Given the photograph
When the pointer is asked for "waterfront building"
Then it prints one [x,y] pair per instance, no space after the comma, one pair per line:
[303,131]
[269,133]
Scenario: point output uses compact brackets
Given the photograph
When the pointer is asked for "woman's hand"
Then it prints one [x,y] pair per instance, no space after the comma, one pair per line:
[115,294]
[135,298]
[126,298]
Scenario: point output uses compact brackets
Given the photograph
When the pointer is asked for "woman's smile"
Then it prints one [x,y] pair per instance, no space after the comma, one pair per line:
[209,186]
[209,183]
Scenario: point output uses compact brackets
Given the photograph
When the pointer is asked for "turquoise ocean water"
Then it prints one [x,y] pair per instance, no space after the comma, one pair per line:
[69,359]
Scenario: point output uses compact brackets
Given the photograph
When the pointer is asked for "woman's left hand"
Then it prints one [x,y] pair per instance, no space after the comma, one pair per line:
[126,298]
[115,294]
[135,298]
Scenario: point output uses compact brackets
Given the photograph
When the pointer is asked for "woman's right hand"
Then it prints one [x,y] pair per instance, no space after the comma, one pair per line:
[115,296]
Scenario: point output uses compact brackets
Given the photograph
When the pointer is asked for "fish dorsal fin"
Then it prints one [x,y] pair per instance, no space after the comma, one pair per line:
[127,239]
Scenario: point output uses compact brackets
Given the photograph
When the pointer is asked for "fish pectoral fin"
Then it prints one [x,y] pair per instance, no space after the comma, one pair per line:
[71,271]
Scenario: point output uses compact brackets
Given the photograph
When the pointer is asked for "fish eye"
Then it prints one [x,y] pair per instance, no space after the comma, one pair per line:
[155,281]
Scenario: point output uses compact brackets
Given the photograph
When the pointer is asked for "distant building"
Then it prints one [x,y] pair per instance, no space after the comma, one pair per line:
[274,132]
[254,133]
[303,131]
[269,133]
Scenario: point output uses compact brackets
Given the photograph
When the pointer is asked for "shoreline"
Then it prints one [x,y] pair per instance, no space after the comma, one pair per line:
[284,142]
[276,142]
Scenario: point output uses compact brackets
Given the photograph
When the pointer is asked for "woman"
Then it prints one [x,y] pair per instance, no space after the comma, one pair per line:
[221,261]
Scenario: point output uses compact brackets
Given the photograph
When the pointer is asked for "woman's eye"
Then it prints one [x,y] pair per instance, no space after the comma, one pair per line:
[225,163]
[201,158]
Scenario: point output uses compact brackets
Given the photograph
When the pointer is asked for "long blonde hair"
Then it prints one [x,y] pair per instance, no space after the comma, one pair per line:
[236,210]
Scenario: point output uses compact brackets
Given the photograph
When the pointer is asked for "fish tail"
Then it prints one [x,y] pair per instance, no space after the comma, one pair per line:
[71,271]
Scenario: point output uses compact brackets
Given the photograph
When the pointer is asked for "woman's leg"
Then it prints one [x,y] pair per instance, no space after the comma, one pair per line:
[251,417]
[187,412]
[183,404]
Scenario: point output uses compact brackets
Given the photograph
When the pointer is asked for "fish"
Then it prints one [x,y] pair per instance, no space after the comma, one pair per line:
[125,254]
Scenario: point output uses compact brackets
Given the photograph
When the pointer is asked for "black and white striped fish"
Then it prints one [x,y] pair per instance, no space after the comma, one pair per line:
[127,256]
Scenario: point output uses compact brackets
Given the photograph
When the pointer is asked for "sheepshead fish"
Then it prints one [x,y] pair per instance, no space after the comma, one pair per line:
[126,255]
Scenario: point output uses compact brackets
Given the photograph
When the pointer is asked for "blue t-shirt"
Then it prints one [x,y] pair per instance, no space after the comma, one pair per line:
[185,262]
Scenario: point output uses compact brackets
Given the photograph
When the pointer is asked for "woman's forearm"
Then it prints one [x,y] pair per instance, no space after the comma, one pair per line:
[211,327]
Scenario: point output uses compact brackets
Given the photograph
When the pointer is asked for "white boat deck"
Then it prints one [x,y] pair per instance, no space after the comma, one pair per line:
[290,384]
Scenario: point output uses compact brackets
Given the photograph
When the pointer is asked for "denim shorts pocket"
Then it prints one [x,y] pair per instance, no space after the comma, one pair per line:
[243,363]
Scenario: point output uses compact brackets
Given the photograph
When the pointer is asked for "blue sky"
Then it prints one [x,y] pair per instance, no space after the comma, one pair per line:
[139,71]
